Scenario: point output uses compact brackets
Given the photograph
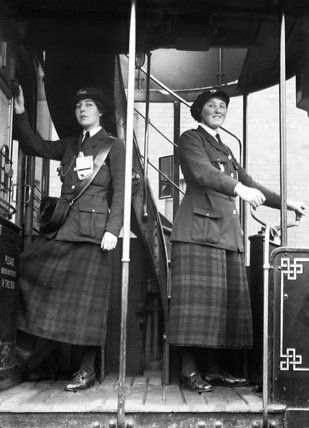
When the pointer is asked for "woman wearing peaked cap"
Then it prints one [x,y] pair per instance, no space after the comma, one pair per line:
[210,304]
[65,276]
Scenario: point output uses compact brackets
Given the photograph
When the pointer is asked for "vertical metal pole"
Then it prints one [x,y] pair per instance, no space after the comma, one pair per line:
[283,149]
[127,218]
[175,156]
[244,162]
[265,323]
[146,139]
[219,75]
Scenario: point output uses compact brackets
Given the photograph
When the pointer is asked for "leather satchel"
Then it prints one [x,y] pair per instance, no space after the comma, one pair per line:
[53,211]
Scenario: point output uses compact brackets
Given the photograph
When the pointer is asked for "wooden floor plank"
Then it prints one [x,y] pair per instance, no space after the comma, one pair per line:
[135,398]
[174,398]
[143,394]
[216,400]
[194,402]
[110,381]
[153,400]
[19,401]
[20,389]
[233,400]
[139,381]
[254,401]
[155,381]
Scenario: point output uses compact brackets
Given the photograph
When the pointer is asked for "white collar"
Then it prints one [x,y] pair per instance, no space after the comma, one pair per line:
[210,131]
[92,131]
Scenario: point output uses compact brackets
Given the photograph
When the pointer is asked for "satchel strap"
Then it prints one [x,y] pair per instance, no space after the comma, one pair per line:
[97,164]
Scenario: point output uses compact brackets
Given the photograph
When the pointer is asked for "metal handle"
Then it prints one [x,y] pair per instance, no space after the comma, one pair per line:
[27,187]
[14,194]
[274,229]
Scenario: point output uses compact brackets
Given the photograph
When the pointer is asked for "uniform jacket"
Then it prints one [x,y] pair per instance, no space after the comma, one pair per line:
[100,207]
[207,214]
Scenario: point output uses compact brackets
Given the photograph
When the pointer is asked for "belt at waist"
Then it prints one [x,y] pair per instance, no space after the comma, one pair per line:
[211,192]
[101,194]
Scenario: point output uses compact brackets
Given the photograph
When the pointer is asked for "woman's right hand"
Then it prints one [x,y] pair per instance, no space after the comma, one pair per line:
[250,194]
[19,101]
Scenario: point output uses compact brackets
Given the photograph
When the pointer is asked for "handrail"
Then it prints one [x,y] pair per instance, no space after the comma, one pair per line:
[127,219]
[146,141]
[166,177]
[282,121]
[166,88]
[275,229]
[9,206]
[266,268]
[157,129]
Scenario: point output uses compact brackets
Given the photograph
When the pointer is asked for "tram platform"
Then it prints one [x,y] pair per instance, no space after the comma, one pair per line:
[148,404]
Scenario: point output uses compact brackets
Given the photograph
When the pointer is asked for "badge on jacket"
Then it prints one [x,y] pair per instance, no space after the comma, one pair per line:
[84,166]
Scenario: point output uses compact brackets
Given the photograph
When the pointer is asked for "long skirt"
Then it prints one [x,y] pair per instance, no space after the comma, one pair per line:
[64,291]
[210,301]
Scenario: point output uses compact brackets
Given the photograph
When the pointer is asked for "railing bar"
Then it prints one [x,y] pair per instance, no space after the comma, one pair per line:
[166,88]
[232,135]
[146,139]
[158,130]
[283,146]
[166,177]
[127,218]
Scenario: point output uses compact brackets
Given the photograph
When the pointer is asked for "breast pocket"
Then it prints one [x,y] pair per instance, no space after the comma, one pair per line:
[206,225]
[92,219]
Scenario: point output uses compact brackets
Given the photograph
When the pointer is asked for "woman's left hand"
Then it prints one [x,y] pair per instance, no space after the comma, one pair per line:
[109,241]
[298,207]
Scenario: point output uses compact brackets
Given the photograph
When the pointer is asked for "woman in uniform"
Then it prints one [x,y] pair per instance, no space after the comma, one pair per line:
[210,305]
[65,276]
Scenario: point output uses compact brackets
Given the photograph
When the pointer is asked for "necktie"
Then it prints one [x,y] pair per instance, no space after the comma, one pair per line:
[86,136]
[218,138]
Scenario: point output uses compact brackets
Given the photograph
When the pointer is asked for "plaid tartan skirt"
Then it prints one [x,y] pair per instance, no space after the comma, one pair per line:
[210,302]
[64,291]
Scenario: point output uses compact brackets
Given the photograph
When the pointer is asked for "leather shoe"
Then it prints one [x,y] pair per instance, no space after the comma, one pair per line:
[81,380]
[224,379]
[195,383]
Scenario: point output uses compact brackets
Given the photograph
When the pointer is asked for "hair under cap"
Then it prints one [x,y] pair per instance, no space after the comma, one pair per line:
[95,94]
[198,104]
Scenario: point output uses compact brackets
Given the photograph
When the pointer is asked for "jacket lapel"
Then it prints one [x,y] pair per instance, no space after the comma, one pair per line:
[95,142]
[213,141]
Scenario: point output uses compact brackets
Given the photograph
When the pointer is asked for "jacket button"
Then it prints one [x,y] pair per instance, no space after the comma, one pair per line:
[73,187]
[234,212]
[232,174]
[229,157]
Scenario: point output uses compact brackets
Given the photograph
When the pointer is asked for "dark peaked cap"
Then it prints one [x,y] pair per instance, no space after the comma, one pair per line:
[95,94]
[198,104]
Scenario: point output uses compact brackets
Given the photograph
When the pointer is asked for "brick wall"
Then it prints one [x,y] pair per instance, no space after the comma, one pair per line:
[263,148]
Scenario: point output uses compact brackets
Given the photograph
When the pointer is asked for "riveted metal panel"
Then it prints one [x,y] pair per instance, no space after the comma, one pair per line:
[291,326]
[10,244]
[142,420]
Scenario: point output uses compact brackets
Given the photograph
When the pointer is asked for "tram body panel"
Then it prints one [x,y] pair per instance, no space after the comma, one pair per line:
[291,327]
[10,247]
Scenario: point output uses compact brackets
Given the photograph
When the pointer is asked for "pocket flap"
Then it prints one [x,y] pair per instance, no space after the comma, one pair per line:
[208,212]
[92,208]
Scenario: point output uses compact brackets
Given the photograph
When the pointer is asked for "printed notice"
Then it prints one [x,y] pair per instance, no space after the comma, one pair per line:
[8,273]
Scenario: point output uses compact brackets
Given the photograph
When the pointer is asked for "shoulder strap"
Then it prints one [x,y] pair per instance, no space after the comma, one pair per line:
[97,164]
